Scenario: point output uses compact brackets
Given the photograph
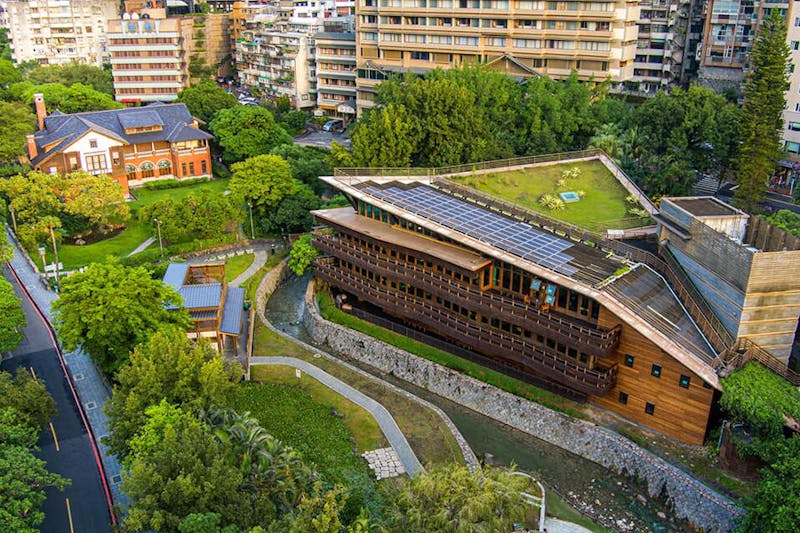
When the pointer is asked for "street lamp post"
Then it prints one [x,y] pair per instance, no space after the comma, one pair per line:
[158,229]
[42,250]
[252,232]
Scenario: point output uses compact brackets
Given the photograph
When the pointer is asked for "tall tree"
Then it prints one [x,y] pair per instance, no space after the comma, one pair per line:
[263,180]
[167,367]
[12,318]
[109,309]
[27,397]
[452,499]
[247,131]
[302,255]
[69,74]
[762,113]
[97,199]
[205,99]
[30,197]
[16,121]
[76,98]
[385,137]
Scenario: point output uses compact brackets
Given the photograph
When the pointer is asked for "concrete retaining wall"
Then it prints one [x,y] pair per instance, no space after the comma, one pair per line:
[689,498]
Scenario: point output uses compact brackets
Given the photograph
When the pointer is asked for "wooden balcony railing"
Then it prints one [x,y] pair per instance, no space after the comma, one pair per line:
[580,335]
[555,366]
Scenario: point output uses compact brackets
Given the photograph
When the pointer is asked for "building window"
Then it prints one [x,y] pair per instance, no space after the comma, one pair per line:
[92,143]
[684,381]
[649,408]
[147,170]
[130,171]
[623,398]
[629,360]
[96,163]
[203,167]
[191,168]
[656,371]
[164,167]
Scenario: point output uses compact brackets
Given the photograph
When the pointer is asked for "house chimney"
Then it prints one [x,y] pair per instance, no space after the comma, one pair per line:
[32,151]
[41,111]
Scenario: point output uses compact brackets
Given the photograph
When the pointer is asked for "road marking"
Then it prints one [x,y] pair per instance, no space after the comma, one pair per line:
[55,439]
[69,517]
[33,373]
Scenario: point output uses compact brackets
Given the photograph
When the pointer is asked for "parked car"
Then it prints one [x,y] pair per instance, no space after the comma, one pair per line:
[334,125]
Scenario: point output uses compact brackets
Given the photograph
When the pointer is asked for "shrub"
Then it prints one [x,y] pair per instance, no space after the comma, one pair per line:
[172,183]
[571,173]
[551,202]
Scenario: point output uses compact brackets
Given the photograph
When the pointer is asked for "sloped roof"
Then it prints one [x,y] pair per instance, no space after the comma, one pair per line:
[175,119]
[176,274]
[232,312]
[206,295]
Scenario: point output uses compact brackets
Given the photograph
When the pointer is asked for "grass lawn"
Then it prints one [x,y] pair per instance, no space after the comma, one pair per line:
[134,234]
[313,428]
[236,265]
[362,425]
[514,386]
[429,437]
[603,207]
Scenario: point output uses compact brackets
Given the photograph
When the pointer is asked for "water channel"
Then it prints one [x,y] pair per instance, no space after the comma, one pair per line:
[611,500]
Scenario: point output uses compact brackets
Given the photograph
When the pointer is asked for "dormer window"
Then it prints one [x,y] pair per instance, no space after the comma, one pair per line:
[92,143]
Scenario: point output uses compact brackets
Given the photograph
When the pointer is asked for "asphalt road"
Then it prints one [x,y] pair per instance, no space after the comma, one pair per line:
[81,507]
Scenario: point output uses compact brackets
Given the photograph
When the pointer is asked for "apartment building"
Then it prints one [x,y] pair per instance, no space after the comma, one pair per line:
[53,32]
[336,73]
[522,37]
[791,116]
[660,46]
[276,52]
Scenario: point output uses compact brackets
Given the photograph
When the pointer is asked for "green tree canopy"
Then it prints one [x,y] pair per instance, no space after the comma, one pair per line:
[246,131]
[198,215]
[69,74]
[205,99]
[30,197]
[308,164]
[76,98]
[263,180]
[108,309]
[302,255]
[12,318]
[292,214]
[385,137]
[169,367]
[787,220]
[16,121]
[96,199]
[762,113]
[452,500]
[27,397]
[8,75]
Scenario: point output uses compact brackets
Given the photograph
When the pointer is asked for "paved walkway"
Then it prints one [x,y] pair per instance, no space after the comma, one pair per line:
[89,383]
[554,525]
[143,246]
[259,261]
[382,416]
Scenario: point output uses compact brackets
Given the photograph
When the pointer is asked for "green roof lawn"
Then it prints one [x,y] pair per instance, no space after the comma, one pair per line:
[603,207]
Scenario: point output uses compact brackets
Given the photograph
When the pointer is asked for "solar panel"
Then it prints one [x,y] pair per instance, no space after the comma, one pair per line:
[512,236]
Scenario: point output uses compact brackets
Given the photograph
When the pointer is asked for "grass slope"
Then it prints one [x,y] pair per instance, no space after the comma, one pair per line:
[602,208]
[236,265]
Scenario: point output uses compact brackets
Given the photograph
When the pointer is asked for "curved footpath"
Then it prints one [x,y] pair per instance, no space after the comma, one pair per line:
[265,288]
[382,416]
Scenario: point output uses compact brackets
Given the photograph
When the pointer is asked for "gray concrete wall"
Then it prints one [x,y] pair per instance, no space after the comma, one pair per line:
[689,498]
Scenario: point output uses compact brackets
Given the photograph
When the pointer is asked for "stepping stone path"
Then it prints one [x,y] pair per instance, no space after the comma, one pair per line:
[384,462]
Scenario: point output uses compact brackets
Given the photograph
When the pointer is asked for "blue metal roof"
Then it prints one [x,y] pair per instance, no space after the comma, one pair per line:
[140,119]
[175,275]
[201,295]
[232,313]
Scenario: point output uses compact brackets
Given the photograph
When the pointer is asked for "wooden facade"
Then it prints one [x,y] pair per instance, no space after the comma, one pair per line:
[528,320]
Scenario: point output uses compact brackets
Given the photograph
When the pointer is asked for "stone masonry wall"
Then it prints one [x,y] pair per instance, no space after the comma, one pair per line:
[689,498]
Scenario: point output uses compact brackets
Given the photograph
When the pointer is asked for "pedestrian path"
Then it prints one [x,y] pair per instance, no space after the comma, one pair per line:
[143,246]
[89,383]
[259,261]
[385,420]
[554,525]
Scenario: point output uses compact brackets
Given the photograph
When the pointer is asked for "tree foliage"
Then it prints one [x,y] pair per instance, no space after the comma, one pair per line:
[167,367]
[246,131]
[202,215]
[69,74]
[263,180]
[762,113]
[76,98]
[452,500]
[28,397]
[12,318]
[16,121]
[108,309]
[97,199]
[786,220]
[385,137]
[292,215]
[308,164]
[302,255]
[205,99]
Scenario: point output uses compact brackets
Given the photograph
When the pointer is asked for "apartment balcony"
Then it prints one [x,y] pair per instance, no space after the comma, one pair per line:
[523,354]
[576,333]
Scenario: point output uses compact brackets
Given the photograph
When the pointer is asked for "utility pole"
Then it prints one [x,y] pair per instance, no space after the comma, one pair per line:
[252,232]
[158,229]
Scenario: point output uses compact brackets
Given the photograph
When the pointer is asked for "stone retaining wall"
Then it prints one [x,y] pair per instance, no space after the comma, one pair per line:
[689,498]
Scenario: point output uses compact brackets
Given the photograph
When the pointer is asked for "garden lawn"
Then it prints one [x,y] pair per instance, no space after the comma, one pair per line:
[315,430]
[236,265]
[133,235]
[365,429]
[603,207]
[425,431]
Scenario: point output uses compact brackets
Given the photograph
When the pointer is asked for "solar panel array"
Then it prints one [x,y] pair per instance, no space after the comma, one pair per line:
[495,230]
